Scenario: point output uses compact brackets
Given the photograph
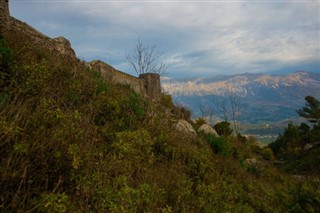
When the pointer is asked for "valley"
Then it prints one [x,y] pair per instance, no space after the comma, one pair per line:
[266,102]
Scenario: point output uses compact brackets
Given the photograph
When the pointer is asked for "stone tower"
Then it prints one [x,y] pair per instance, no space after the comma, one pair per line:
[4,10]
[152,85]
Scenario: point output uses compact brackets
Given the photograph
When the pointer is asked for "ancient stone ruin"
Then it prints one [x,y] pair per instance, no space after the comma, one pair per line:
[151,83]
[9,23]
[147,84]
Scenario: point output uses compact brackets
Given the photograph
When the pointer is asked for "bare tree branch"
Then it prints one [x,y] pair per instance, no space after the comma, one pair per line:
[228,106]
[206,112]
[235,102]
[146,59]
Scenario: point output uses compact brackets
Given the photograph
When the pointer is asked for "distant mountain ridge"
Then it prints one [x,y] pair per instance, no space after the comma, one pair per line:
[241,84]
[264,97]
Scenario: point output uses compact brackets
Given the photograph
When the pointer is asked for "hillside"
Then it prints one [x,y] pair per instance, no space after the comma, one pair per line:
[70,141]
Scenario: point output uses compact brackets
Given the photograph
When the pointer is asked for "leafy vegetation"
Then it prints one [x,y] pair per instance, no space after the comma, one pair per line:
[72,142]
[223,128]
[298,145]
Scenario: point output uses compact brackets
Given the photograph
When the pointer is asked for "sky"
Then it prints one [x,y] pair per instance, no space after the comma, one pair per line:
[195,38]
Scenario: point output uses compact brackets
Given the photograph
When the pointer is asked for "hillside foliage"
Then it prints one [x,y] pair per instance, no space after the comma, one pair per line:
[72,142]
[299,145]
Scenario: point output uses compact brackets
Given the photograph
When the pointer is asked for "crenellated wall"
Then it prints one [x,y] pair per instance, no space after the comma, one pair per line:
[147,84]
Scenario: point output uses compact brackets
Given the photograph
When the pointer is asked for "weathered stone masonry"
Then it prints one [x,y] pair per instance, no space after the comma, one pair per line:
[8,23]
[147,84]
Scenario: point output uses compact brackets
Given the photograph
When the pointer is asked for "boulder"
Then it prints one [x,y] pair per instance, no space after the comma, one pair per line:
[308,146]
[207,129]
[185,127]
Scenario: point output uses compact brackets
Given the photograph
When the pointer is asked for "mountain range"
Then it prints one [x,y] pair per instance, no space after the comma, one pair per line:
[264,98]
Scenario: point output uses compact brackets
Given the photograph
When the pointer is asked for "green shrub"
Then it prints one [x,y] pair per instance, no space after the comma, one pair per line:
[200,121]
[52,203]
[133,152]
[220,145]
[255,147]
[267,153]
[102,87]
[181,112]
[166,101]
[4,98]
[6,54]
[223,128]
[306,196]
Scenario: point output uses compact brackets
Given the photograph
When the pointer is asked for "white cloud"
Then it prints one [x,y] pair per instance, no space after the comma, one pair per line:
[196,37]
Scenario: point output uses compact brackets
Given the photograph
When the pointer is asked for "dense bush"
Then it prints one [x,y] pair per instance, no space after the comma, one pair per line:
[71,142]
[166,100]
[199,122]
[220,145]
[181,112]
[223,128]
[267,153]
[290,145]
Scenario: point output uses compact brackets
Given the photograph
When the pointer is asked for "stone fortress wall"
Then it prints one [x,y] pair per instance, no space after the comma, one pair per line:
[60,44]
[147,85]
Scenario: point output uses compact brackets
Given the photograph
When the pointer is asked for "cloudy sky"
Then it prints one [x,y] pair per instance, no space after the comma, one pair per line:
[197,38]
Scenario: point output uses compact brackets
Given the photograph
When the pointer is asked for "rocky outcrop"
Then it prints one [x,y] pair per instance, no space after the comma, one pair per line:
[207,129]
[63,46]
[185,127]
[310,145]
[60,44]
[15,26]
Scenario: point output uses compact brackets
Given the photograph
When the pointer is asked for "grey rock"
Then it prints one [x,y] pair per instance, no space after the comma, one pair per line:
[207,129]
[185,127]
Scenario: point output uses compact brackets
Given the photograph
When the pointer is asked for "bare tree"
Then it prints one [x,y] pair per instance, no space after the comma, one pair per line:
[235,101]
[206,112]
[220,106]
[228,106]
[146,59]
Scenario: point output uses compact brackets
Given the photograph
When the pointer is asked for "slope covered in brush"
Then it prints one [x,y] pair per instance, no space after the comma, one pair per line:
[71,142]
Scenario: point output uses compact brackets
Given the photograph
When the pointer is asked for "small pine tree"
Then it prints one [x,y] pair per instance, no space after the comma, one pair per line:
[311,111]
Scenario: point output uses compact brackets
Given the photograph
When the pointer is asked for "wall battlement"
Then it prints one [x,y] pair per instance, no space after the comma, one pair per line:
[147,84]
